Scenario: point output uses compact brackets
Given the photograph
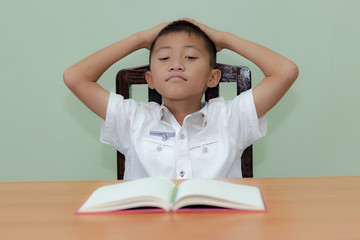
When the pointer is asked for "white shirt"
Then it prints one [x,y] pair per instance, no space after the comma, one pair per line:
[209,144]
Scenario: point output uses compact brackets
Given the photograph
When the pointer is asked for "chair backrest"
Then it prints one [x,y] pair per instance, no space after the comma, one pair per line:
[239,74]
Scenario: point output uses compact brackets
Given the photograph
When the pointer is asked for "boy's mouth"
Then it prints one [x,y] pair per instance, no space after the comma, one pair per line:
[176,78]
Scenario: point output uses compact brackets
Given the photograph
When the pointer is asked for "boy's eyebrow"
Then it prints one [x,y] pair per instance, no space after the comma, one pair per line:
[161,48]
[193,46]
[186,46]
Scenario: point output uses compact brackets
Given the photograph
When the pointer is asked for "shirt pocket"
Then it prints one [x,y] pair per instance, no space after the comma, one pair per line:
[205,152]
[156,151]
[155,142]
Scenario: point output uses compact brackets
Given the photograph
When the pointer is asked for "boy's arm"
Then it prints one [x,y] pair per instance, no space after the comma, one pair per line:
[81,77]
[280,73]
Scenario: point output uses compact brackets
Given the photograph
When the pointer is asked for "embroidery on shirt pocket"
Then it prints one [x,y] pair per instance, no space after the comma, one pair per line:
[164,135]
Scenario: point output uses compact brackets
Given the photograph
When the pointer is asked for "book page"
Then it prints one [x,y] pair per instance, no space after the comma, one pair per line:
[246,197]
[130,195]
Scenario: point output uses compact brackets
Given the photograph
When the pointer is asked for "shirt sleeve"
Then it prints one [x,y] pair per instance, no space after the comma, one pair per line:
[246,127]
[115,129]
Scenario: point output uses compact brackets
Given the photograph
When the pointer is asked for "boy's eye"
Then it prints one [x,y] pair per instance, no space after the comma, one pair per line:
[190,57]
[164,58]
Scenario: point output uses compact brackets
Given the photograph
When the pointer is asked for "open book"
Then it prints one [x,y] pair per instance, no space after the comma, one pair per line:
[163,194]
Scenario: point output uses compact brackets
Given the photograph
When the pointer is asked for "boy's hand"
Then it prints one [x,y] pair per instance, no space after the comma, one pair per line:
[148,36]
[213,34]
[280,72]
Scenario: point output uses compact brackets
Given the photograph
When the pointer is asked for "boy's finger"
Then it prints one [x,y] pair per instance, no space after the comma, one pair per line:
[190,20]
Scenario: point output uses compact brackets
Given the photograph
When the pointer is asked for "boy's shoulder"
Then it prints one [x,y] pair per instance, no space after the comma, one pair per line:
[118,103]
[243,101]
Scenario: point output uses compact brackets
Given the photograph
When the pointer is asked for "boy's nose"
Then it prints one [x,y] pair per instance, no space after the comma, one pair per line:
[177,65]
[176,68]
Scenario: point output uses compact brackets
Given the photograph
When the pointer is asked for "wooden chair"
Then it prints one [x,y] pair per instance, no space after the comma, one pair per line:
[239,74]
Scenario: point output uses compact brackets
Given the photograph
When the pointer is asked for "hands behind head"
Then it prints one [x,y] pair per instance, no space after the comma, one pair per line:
[148,36]
[213,34]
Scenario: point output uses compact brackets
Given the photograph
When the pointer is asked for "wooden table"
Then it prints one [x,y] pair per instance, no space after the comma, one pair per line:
[299,208]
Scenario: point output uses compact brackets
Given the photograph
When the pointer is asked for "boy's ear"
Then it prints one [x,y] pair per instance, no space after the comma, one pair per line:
[214,78]
[149,80]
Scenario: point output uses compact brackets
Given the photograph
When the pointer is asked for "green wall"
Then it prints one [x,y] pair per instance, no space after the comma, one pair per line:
[47,134]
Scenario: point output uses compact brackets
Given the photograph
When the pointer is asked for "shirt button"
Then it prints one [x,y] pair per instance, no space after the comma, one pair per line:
[182,136]
[159,148]
[182,173]
[205,150]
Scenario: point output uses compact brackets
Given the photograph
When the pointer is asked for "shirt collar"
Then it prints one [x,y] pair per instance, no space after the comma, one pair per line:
[165,114]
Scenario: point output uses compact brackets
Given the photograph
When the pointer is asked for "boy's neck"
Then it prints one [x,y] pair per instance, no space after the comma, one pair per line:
[180,109]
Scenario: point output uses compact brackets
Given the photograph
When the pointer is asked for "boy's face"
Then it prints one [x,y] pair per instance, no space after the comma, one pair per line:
[180,68]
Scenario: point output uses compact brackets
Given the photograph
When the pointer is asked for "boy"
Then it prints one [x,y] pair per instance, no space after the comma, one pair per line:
[182,138]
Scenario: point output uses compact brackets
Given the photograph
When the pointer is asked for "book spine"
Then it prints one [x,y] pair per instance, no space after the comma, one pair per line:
[173,195]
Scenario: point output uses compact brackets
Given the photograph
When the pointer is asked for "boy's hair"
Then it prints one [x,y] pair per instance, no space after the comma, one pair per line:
[191,29]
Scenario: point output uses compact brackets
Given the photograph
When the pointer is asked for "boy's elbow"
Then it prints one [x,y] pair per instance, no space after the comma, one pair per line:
[69,77]
[66,77]
[287,72]
[291,72]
